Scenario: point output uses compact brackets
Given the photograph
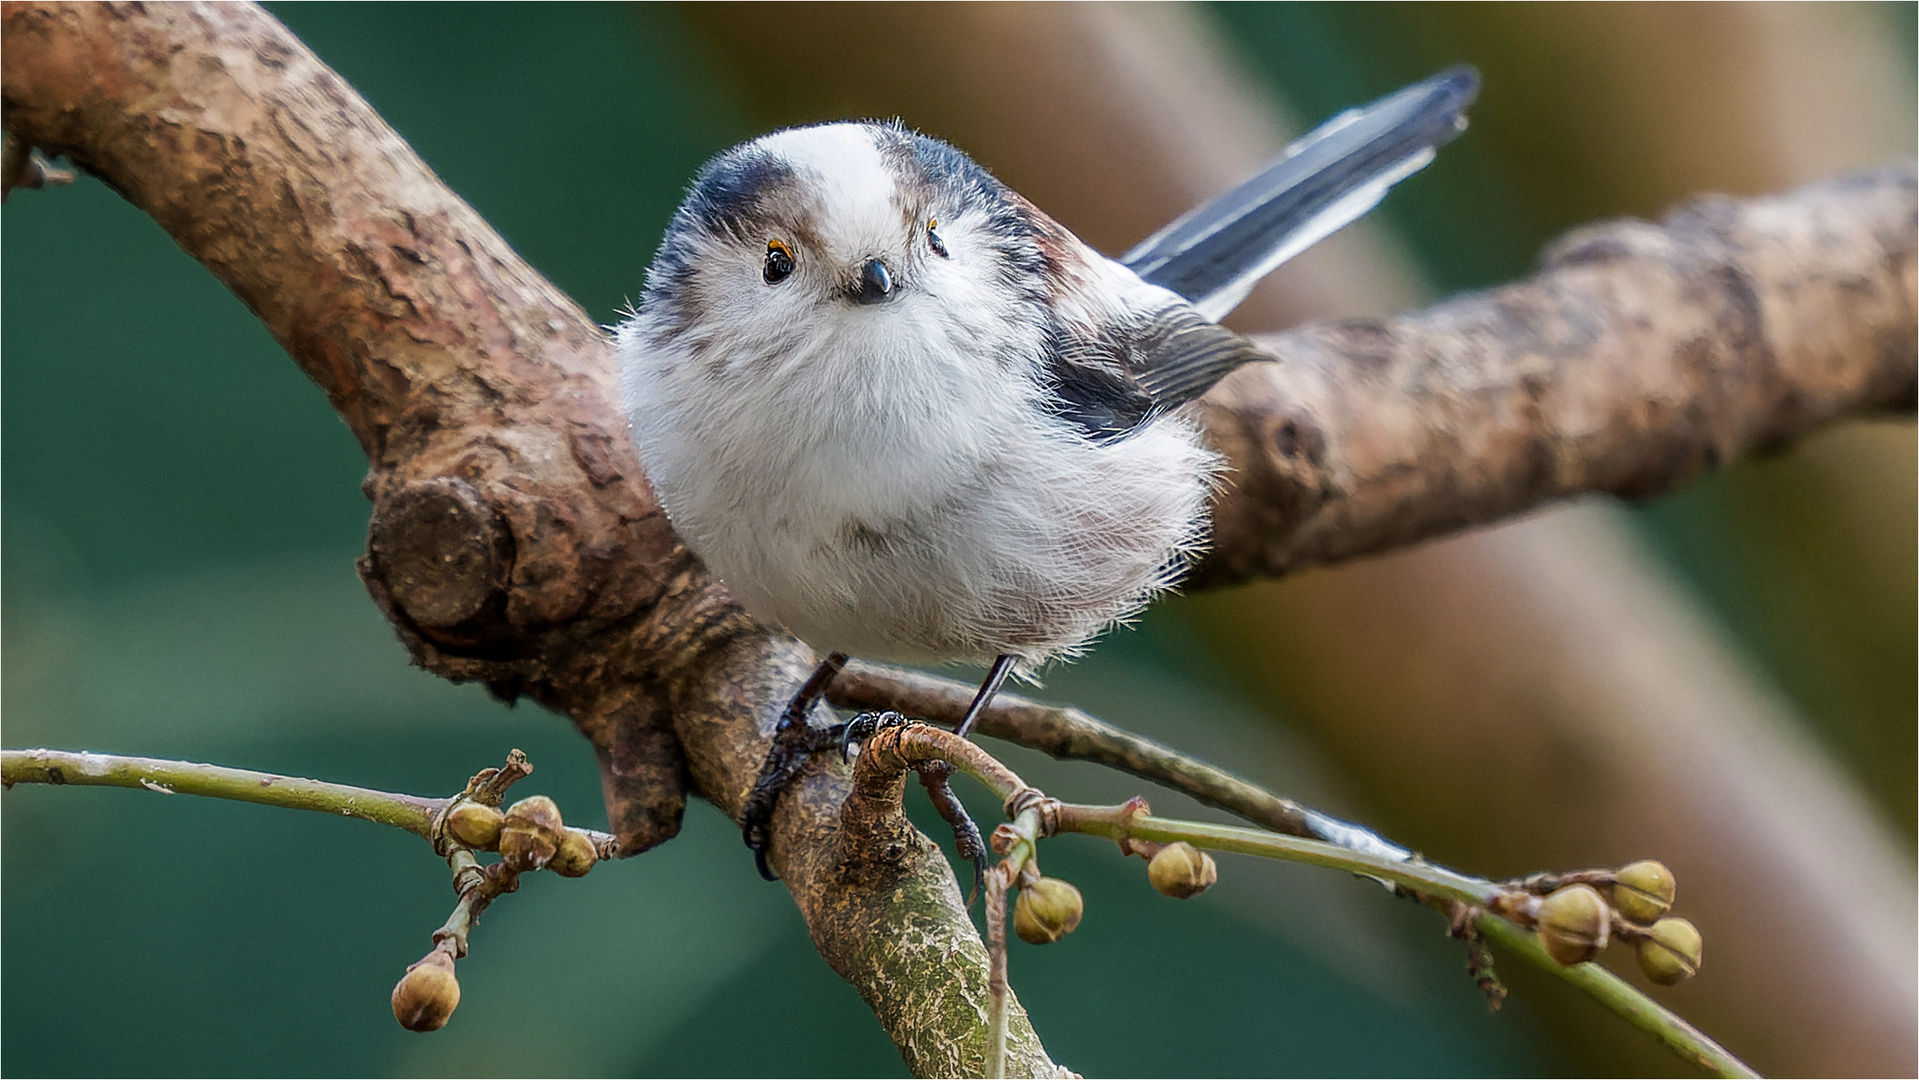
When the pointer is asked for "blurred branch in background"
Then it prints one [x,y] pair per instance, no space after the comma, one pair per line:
[1510,697]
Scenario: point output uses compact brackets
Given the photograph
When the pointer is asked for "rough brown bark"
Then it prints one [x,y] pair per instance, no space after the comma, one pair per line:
[514,541]
[1639,357]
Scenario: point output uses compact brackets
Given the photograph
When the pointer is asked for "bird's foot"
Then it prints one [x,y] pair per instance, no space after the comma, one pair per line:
[862,727]
[793,742]
[966,836]
[934,776]
[784,759]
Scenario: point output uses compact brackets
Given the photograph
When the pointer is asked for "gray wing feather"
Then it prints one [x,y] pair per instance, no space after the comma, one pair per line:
[1214,255]
[1107,386]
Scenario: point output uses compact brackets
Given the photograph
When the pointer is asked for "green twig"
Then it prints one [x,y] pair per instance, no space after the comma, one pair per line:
[1623,998]
[409,812]
[1118,822]
[1121,822]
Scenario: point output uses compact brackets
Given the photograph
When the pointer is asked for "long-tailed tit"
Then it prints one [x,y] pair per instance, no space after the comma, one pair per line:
[904,414]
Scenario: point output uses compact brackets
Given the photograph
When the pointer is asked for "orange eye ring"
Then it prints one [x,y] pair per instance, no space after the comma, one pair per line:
[779,262]
[933,239]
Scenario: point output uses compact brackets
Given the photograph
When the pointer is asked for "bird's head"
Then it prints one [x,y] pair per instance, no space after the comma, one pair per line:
[844,232]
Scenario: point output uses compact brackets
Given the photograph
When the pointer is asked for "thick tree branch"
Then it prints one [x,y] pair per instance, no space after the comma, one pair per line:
[1639,357]
[513,539]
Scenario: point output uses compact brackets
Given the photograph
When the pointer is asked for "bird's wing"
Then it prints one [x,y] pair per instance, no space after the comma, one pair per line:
[1107,384]
[1214,255]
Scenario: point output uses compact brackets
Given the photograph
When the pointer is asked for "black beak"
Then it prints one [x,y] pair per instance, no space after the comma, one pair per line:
[875,283]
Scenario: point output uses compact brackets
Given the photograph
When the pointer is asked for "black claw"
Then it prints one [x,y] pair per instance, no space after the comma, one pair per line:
[966,835]
[756,815]
[793,743]
[853,733]
[784,760]
[861,728]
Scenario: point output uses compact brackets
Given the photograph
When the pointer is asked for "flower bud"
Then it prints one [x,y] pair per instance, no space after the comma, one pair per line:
[1046,911]
[1181,870]
[536,810]
[530,835]
[1573,924]
[576,855]
[1643,891]
[1671,952]
[526,849]
[427,994]
[476,825]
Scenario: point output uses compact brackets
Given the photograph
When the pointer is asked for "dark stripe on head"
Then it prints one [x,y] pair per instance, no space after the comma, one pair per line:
[726,200]
[730,190]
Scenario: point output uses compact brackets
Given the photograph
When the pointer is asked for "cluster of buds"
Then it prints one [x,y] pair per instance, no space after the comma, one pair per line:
[1577,915]
[529,835]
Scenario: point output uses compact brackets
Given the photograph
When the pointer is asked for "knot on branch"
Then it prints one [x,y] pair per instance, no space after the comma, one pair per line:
[443,556]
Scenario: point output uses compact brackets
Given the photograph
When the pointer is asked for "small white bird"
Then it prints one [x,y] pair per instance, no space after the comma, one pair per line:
[902,413]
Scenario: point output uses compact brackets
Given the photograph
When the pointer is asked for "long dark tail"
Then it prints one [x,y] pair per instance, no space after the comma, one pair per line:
[1214,255]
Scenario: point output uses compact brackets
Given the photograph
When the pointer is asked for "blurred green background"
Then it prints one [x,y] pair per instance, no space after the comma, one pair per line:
[181,513]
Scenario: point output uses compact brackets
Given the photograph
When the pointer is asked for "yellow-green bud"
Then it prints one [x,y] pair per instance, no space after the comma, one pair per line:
[576,855]
[1671,952]
[1181,870]
[536,810]
[1574,923]
[476,825]
[526,849]
[530,835]
[427,994]
[1046,911]
[1643,890]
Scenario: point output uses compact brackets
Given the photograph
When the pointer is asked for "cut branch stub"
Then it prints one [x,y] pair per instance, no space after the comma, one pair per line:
[442,554]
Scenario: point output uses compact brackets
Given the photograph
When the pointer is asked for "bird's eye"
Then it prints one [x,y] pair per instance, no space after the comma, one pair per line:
[933,239]
[779,262]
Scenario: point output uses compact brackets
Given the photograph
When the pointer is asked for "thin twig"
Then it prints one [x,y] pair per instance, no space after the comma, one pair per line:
[1017,844]
[1124,823]
[1069,735]
[409,812]
[477,885]
[416,814]
[1623,998]
[1428,880]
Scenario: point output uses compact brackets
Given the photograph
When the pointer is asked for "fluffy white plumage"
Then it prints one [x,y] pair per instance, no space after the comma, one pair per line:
[892,479]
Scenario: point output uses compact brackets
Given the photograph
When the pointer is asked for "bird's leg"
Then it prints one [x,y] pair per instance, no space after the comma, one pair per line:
[1002,667]
[793,742]
[966,838]
[934,776]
